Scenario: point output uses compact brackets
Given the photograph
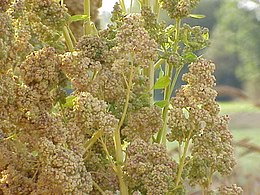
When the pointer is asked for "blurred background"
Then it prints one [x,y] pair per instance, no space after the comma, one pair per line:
[234,27]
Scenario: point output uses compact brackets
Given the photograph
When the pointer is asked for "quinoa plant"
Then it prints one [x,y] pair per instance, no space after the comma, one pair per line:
[78,114]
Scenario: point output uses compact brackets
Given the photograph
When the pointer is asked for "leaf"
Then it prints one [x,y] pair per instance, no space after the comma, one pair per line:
[162,82]
[205,36]
[69,101]
[189,57]
[161,73]
[197,16]
[76,18]
[161,103]
[34,153]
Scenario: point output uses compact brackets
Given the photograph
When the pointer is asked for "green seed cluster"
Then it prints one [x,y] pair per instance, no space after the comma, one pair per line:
[92,47]
[194,38]
[50,12]
[148,168]
[178,8]
[155,29]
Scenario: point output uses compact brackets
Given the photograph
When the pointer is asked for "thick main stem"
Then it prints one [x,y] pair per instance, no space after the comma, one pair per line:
[117,137]
[161,136]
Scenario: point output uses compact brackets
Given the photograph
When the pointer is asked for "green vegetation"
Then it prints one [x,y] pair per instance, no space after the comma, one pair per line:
[237,106]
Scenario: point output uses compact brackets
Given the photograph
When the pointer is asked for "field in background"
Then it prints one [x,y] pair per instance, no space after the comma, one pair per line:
[245,125]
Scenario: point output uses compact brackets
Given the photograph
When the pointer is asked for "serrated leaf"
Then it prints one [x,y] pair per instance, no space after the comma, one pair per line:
[189,57]
[76,18]
[69,101]
[161,103]
[162,82]
[197,16]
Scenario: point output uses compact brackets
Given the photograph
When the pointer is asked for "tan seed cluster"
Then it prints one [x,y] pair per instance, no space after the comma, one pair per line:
[134,42]
[148,164]
[143,124]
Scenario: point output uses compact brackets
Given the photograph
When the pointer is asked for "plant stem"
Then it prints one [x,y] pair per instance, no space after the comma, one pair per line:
[117,138]
[151,82]
[145,3]
[122,4]
[158,63]
[87,23]
[156,8]
[161,136]
[68,40]
[182,160]
[98,188]
[131,6]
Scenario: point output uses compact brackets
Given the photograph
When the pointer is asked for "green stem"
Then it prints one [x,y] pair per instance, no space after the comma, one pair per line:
[161,136]
[72,36]
[156,8]
[182,160]
[131,6]
[117,138]
[68,40]
[145,3]
[122,4]
[158,63]
[98,188]
[151,82]
[87,23]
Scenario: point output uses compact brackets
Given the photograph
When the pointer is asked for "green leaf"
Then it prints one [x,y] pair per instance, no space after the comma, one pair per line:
[189,57]
[161,73]
[34,153]
[161,103]
[69,101]
[197,16]
[76,18]
[162,82]
[205,36]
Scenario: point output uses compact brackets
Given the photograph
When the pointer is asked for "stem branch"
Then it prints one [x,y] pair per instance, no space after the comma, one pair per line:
[87,23]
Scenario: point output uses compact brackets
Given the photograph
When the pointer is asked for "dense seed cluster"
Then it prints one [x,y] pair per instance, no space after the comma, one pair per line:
[134,42]
[194,38]
[142,124]
[4,5]
[40,73]
[92,47]
[91,114]
[154,28]
[55,140]
[148,165]
[230,190]
[178,8]
[194,115]
[64,168]
[50,12]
